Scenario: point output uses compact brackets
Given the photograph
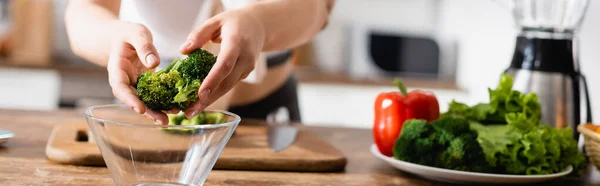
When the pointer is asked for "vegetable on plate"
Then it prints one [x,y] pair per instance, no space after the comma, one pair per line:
[446,143]
[504,136]
[392,109]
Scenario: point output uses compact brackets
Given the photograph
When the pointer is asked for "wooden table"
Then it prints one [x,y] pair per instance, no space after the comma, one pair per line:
[22,160]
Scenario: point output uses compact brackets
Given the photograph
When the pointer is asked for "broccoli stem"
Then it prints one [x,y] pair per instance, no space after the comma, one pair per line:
[186,90]
[171,65]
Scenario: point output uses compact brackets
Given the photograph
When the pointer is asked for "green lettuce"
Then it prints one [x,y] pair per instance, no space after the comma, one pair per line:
[503,100]
[525,147]
[512,137]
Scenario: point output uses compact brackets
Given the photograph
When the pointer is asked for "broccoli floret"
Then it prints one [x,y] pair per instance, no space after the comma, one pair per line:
[416,143]
[187,93]
[464,153]
[215,118]
[157,90]
[461,149]
[198,119]
[449,128]
[186,122]
[201,118]
[194,69]
[175,119]
[197,64]
[446,143]
[453,156]
[178,84]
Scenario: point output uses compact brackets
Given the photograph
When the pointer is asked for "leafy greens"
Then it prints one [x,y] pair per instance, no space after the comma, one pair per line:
[508,131]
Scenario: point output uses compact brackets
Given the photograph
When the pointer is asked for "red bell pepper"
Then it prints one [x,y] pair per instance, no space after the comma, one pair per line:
[392,109]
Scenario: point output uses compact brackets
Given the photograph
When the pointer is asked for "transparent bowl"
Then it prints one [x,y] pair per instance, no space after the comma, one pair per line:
[137,151]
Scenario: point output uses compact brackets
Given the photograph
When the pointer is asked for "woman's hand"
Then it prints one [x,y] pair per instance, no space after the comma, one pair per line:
[242,37]
[131,54]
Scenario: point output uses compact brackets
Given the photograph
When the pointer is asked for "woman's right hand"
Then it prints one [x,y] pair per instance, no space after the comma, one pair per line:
[132,53]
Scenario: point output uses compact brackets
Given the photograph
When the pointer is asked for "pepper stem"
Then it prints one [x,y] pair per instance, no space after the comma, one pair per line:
[400,85]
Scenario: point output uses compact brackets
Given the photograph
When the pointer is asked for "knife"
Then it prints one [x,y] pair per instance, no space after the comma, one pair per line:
[280,132]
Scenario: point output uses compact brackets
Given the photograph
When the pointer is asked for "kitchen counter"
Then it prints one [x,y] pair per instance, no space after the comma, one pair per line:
[23,161]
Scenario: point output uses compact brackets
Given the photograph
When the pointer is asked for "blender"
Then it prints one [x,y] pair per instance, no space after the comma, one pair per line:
[546,58]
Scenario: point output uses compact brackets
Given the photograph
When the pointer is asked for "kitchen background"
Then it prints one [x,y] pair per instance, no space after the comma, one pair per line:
[455,48]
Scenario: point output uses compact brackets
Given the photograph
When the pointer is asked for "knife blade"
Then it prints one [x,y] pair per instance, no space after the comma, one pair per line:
[280,132]
[5,135]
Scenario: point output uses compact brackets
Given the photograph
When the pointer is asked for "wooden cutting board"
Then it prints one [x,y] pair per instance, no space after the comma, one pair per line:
[72,143]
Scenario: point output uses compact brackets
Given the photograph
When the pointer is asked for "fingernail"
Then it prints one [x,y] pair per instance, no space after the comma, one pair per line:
[192,114]
[186,45]
[204,94]
[151,59]
[160,121]
[136,110]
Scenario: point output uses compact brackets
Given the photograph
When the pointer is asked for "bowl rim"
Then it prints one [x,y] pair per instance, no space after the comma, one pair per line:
[88,114]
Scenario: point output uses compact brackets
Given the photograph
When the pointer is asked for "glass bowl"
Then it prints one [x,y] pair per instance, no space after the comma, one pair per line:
[137,151]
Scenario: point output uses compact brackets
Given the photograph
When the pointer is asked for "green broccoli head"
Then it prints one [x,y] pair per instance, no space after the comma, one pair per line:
[197,64]
[156,90]
[449,127]
[176,119]
[454,155]
[464,153]
[199,119]
[178,84]
[446,143]
[194,68]
[215,117]
[416,143]
[187,93]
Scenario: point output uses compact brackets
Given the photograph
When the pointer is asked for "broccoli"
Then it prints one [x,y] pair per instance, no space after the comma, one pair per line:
[156,90]
[446,143]
[449,128]
[176,119]
[462,151]
[416,143]
[215,117]
[201,119]
[177,85]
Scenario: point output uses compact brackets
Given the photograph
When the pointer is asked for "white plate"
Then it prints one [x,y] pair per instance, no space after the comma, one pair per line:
[453,176]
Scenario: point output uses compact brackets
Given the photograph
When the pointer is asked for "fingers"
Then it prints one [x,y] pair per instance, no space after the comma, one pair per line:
[120,85]
[141,41]
[174,110]
[120,81]
[240,72]
[226,85]
[226,62]
[199,37]
[127,95]
[157,116]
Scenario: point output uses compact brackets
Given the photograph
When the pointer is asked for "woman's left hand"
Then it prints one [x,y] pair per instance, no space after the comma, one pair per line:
[242,37]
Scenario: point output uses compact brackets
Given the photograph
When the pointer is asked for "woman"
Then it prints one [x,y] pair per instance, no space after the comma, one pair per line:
[254,40]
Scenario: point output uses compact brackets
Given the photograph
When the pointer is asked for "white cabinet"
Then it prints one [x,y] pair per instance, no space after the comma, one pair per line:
[352,106]
[29,89]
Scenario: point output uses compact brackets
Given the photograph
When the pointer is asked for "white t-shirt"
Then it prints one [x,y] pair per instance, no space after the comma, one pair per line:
[170,22]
